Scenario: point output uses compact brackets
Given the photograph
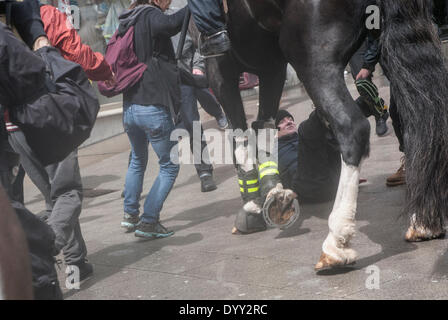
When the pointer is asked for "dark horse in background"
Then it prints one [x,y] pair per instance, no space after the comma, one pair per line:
[318,37]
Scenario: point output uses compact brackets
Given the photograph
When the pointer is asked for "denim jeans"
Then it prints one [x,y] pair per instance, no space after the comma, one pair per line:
[207,15]
[144,125]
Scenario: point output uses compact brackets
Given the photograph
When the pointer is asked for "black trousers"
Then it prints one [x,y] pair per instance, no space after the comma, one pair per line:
[189,116]
[356,63]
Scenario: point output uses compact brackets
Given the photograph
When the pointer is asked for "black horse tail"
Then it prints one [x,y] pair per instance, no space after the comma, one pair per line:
[412,55]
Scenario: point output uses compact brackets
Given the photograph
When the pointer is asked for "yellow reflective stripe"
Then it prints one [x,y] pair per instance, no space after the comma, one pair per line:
[252,181]
[240,182]
[267,164]
[268,172]
[250,190]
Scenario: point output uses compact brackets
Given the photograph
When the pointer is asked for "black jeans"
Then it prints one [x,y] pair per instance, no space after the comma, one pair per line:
[189,114]
[208,102]
[396,121]
[207,15]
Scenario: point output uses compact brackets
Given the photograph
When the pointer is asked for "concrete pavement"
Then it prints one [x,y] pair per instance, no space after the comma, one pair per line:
[203,260]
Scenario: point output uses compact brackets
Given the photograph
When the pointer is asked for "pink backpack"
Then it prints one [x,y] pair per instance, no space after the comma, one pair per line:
[121,57]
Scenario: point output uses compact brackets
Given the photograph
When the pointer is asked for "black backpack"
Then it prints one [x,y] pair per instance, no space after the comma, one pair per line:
[49,98]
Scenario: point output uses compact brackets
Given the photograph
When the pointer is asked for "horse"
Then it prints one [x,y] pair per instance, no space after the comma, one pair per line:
[15,265]
[318,37]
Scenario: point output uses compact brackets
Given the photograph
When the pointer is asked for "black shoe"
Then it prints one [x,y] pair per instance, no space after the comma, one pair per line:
[130,222]
[152,230]
[85,271]
[207,184]
[216,44]
[381,125]
[222,121]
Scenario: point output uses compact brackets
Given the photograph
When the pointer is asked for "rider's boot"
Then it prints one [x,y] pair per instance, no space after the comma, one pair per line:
[215,44]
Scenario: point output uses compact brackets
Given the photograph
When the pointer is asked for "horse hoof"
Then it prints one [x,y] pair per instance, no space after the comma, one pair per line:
[326,262]
[418,234]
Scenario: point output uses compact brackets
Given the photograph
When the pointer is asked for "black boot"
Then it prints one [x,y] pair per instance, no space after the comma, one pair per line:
[215,44]
[207,183]
[381,125]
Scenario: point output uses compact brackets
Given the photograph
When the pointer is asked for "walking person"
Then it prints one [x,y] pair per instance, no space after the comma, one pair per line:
[192,63]
[364,59]
[146,113]
[60,183]
[371,59]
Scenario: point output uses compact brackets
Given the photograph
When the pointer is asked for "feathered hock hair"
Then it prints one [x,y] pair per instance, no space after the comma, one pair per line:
[412,55]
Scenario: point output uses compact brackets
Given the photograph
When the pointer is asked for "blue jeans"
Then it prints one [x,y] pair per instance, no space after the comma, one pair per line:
[144,125]
[207,15]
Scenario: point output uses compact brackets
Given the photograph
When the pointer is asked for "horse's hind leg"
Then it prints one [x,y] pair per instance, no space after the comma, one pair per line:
[319,62]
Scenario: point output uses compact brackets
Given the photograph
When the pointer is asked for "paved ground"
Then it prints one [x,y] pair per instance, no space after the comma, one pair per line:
[204,261]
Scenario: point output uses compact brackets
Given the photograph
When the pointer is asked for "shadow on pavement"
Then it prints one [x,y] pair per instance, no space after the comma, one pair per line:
[129,253]
[203,214]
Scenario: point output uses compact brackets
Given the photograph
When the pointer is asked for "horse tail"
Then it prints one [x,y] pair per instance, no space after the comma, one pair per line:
[412,56]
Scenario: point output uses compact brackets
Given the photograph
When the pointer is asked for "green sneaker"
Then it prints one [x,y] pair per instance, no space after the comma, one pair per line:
[130,222]
[152,230]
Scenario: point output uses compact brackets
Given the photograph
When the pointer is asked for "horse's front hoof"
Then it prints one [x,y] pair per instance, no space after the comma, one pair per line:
[418,234]
[327,262]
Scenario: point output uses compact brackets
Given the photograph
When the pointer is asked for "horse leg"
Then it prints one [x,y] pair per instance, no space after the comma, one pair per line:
[308,42]
[223,73]
[271,89]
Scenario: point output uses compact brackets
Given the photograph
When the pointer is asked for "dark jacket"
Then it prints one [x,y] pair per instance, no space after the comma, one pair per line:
[25,16]
[373,51]
[310,161]
[190,59]
[288,147]
[152,37]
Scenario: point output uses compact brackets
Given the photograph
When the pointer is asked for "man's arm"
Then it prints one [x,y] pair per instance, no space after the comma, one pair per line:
[26,18]
[164,25]
[71,47]
[371,57]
